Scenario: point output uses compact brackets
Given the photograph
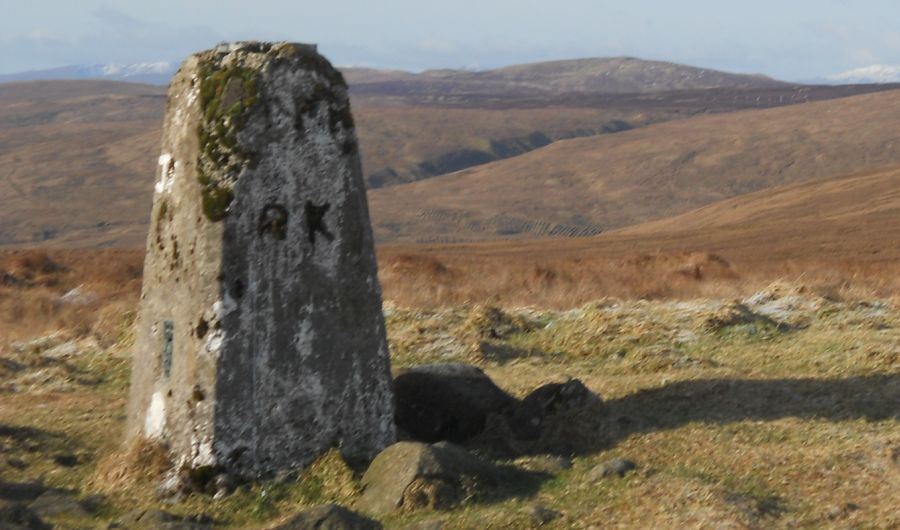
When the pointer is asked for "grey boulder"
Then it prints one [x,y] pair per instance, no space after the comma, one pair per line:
[447,402]
[329,517]
[411,475]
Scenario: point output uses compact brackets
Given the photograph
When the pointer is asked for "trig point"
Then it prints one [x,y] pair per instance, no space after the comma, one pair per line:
[260,339]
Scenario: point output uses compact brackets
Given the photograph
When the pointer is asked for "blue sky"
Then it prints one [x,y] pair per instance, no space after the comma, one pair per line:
[788,39]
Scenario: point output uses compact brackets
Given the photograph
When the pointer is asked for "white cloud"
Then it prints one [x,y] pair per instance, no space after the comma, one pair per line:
[107,36]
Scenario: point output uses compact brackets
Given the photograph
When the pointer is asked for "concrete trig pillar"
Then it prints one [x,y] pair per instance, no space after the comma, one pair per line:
[260,340]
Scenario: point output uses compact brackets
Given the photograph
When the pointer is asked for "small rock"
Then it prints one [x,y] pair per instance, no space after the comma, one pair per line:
[412,475]
[329,517]
[685,336]
[21,491]
[62,351]
[54,502]
[15,516]
[842,511]
[550,464]
[172,488]
[541,515]
[615,467]
[16,463]
[160,520]
[447,402]
[224,485]
[528,420]
[431,524]
[66,460]
[78,296]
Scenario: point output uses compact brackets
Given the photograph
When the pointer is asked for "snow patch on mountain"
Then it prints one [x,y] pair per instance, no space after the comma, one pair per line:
[876,73]
[131,70]
[157,73]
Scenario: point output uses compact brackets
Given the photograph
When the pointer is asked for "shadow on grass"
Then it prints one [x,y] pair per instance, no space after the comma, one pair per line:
[16,440]
[873,398]
[721,401]
[20,445]
[870,398]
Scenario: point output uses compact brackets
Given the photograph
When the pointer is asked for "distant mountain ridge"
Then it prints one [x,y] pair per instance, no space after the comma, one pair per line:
[613,75]
[602,75]
[153,73]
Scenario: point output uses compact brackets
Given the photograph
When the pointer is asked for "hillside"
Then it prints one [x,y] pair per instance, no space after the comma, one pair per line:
[849,217]
[78,157]
[419,136]
[590,185]
[836,237]
[615,75]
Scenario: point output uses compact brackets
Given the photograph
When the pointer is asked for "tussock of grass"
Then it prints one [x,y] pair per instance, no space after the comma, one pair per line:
[441,277]
[131,472]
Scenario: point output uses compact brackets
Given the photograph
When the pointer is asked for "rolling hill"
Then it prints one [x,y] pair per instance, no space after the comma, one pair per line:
[593,75]
[834,237]
[75,157]
[851,217]
[78,157]
[590,185]
[614,75]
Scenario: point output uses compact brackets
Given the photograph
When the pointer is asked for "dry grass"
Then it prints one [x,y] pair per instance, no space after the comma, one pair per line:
[129,472]
[33,285]
[443,277]
[785,420]
[424,277]
[780,412]
[777,410]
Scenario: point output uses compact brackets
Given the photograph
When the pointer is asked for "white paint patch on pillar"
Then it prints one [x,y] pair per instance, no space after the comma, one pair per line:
[166,174]
[155,423]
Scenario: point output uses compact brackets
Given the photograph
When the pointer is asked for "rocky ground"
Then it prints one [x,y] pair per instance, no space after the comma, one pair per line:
[778,410]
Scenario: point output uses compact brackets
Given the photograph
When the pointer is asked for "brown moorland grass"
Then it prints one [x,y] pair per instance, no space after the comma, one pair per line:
[432,279]
[776,410]
[837,238]
[31,302]
[33,285]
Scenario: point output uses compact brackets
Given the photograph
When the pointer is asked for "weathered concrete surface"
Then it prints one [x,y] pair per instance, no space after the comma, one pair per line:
[260,339]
